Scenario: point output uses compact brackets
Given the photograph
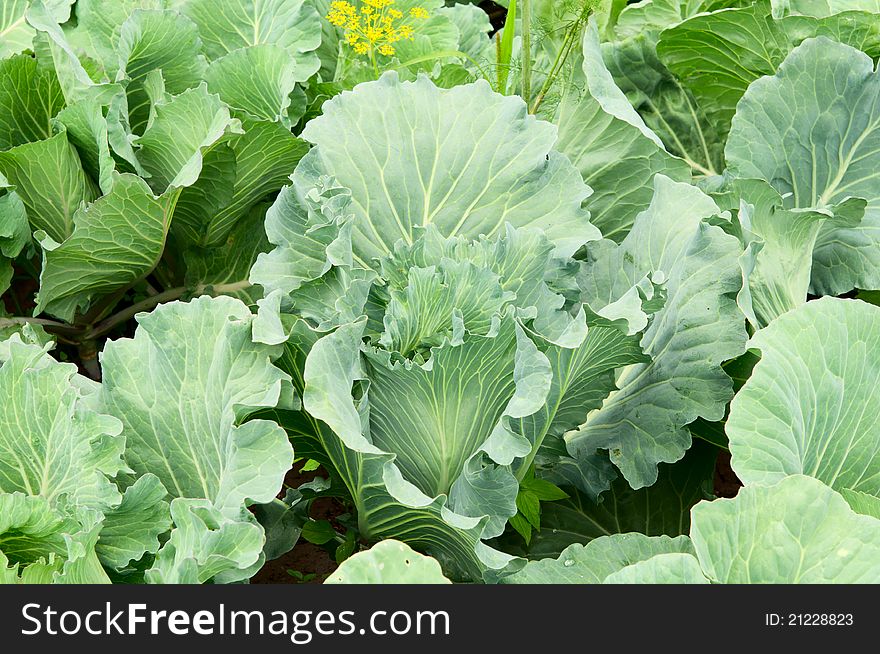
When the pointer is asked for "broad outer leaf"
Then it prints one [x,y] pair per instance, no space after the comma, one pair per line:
[178,386]
[98,27]
[465,159]
[813,131]
[718,55]
[660,509]
[665,105]
[170,150]
[52,443]
[387,505]
[388,562]
[610,145]
[132,529]
[116,240]
[807,407]
[698,328]
[30,97]
[49,179]
[15,33]
[52,45]
[265,156]
[207,545]
[821,8]
[257,80]
[157,40]
[671,568]
[291,24]
[796,532]
[594,562]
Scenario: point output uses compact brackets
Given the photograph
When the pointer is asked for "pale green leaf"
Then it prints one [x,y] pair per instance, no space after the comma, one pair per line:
[471,161]
[597,560]
[718,55]
[30,97]
[307,232]
[265,156]
[178,387]
[805,408]
[170,150]
[388,562]
[89,132]
[822,8]
[698,328]
[116,240]
[388,506]
[292,24]
[257,80]
[157,40]
[862,502]
[49,178]
[99,24]
[813,131]
[15,33]
[207,545]
[53,444]
[610,145]
[796,532]
[132,529]
[778,258]
[46,547]
[671,568]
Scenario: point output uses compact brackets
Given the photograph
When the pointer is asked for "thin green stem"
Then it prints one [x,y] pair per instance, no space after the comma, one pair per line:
[50,325]
[166,296]
[527,50]
[373,61]
[558,63]
[340,62]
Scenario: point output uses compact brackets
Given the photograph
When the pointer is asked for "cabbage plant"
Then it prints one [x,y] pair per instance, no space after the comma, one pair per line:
[587,305]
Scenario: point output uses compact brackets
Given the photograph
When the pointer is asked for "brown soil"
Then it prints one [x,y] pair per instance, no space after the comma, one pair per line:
[305,557]
[497,14]
[20,296]
[726,483]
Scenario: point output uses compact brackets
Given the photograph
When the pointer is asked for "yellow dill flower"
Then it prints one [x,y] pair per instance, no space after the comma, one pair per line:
[373,25]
